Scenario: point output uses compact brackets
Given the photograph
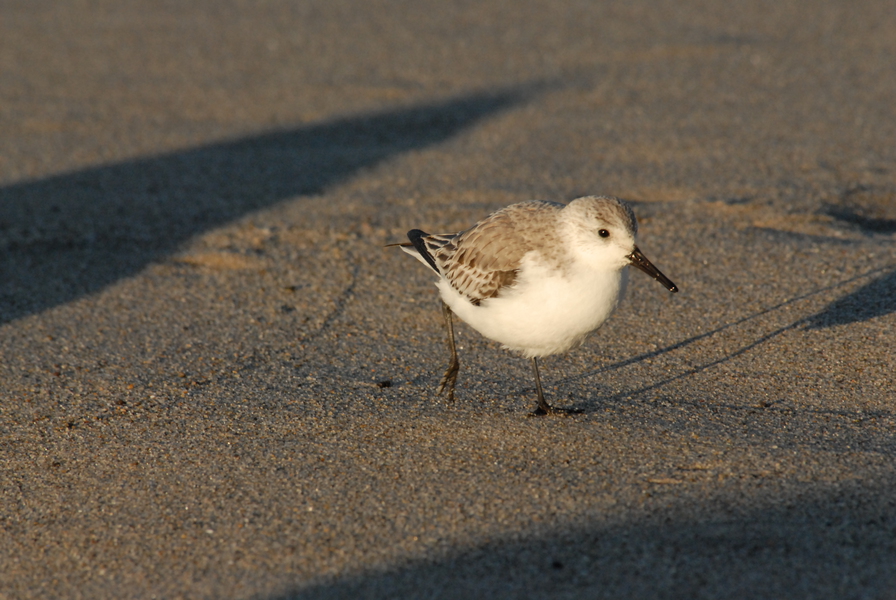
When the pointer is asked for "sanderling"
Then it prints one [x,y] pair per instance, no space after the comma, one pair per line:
[537,277]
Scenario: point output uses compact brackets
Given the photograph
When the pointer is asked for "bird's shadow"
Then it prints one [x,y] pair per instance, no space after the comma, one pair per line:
[68,235]
[876,298]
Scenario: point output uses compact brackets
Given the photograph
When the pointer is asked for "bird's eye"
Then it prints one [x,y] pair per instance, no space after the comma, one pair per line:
[603,233]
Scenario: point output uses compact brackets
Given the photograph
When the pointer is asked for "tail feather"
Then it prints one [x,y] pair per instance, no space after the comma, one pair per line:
[417,248]
[417,239]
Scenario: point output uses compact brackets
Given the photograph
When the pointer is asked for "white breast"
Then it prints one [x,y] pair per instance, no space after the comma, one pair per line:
[547,311]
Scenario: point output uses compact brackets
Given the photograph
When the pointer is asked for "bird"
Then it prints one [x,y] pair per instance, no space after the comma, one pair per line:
[538,277]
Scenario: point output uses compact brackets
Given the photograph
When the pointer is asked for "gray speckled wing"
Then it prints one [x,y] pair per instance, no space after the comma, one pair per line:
[485,259]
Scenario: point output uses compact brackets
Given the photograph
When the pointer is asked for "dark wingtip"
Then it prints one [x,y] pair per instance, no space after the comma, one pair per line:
[416,236]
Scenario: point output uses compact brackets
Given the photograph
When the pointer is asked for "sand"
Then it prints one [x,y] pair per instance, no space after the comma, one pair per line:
[216,382]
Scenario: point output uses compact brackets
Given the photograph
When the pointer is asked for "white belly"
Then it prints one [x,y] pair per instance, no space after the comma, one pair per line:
[547,312]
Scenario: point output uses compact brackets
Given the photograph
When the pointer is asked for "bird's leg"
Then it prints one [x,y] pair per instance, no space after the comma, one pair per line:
[450,376]
[543,407]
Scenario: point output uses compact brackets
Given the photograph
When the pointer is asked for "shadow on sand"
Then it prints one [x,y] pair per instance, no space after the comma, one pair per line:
[874,299]
[68,235]
[835,543]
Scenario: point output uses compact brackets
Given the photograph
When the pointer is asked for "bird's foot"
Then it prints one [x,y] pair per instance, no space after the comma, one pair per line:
[449,380]
[547,409]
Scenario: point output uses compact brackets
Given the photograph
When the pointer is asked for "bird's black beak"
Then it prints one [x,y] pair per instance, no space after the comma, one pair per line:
[639,260]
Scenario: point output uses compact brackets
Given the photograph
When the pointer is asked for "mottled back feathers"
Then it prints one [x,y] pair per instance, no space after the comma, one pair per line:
[484,260]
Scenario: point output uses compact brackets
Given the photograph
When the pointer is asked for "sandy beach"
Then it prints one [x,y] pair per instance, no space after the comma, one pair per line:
[216,382]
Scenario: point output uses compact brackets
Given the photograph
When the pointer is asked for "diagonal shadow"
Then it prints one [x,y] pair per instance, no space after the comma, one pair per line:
[865,223]
[810,543]
[865,303]
[68,235]
[874,299]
